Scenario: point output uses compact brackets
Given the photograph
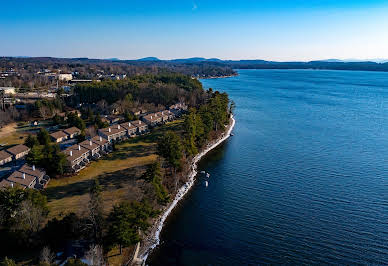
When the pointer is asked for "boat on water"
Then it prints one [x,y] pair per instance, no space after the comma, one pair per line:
[231,134]
[207,175]
[203,172]
[206,183]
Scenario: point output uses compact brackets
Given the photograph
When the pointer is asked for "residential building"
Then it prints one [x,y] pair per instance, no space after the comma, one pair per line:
[18,151]
[112,133]
[22,179]
[65,77]
[59,136]
[40,175]
[141,126]
[131,128]
[101,142]
[8,90]
[152,119]
[72,132]
[77,156]
[92,147]
[5,157]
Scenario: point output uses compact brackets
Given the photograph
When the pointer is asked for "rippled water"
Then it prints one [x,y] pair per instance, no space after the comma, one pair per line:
[303,181]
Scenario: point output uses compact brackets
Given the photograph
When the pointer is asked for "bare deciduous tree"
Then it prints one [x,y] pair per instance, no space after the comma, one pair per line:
[95,255]
[46,256]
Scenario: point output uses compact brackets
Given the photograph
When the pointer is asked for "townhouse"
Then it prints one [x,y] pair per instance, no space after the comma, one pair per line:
[77,156]
[92,147]
[152,119]
[58,136]
[112,133]
[103,143]
[130,128]
[18,151]
[72,132]
[140,126]
[5,157]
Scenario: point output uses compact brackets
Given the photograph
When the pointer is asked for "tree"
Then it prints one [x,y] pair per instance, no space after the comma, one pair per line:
[170,147]
[121,229]
[34,156]
[43,137]
[75,262]
[46,256]
[31,141]
[95,207]
[8,262]
[95,255]
[153,175]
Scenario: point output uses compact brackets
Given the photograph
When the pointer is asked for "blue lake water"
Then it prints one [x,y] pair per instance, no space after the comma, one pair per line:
[304,179]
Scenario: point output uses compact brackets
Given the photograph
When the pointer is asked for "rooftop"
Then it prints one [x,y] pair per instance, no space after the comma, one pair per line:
[15,150]
[89,145]
[21,178]
[4,155]
[32,170]
[58,134]
[72,130]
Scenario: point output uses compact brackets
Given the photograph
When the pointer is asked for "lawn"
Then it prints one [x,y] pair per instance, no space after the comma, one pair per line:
[118,174]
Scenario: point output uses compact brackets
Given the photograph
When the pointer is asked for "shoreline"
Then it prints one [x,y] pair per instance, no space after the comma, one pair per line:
[153,239]
[219,77]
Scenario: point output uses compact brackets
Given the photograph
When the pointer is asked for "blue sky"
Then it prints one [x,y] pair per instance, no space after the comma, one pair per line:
[274,30]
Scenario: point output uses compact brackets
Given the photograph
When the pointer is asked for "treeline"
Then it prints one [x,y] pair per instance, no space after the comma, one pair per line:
[158,89]
[26,69]
[200,126]
[24,224]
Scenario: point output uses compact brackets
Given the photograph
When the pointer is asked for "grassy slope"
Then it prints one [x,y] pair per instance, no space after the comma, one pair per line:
[118,174]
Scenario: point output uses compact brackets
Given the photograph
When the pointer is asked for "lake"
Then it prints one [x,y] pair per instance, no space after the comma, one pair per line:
[304,179]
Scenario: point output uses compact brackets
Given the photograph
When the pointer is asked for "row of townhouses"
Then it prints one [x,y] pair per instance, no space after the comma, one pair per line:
[65,134]
[14,153]
[79,155]
[26,177]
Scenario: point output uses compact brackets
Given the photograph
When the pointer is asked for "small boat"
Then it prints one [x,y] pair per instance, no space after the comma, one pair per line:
[207,175]
[203,172]
[206,183]
[232,134]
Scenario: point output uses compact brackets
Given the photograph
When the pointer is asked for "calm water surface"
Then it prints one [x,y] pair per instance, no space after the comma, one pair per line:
[303,181]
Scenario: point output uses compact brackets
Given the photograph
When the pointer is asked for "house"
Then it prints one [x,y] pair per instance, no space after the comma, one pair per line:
[8,90]
[5,157]
[77,156]
[112,119]
[65,77]
[130,128]
[141,126]
[101,142]
[92,147]
[113,133]
[40,175]
[72,132]
[166,115]
[22,179]
[58,136]
[18,151]
[152,119]
[178,109]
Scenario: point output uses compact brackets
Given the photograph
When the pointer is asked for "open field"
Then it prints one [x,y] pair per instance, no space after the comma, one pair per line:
[118,174]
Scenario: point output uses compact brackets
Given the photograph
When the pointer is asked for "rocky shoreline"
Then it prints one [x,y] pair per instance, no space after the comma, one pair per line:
[152,239]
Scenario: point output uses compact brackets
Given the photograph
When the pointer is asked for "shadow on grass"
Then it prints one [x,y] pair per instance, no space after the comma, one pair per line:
[130,151]
[109,181]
